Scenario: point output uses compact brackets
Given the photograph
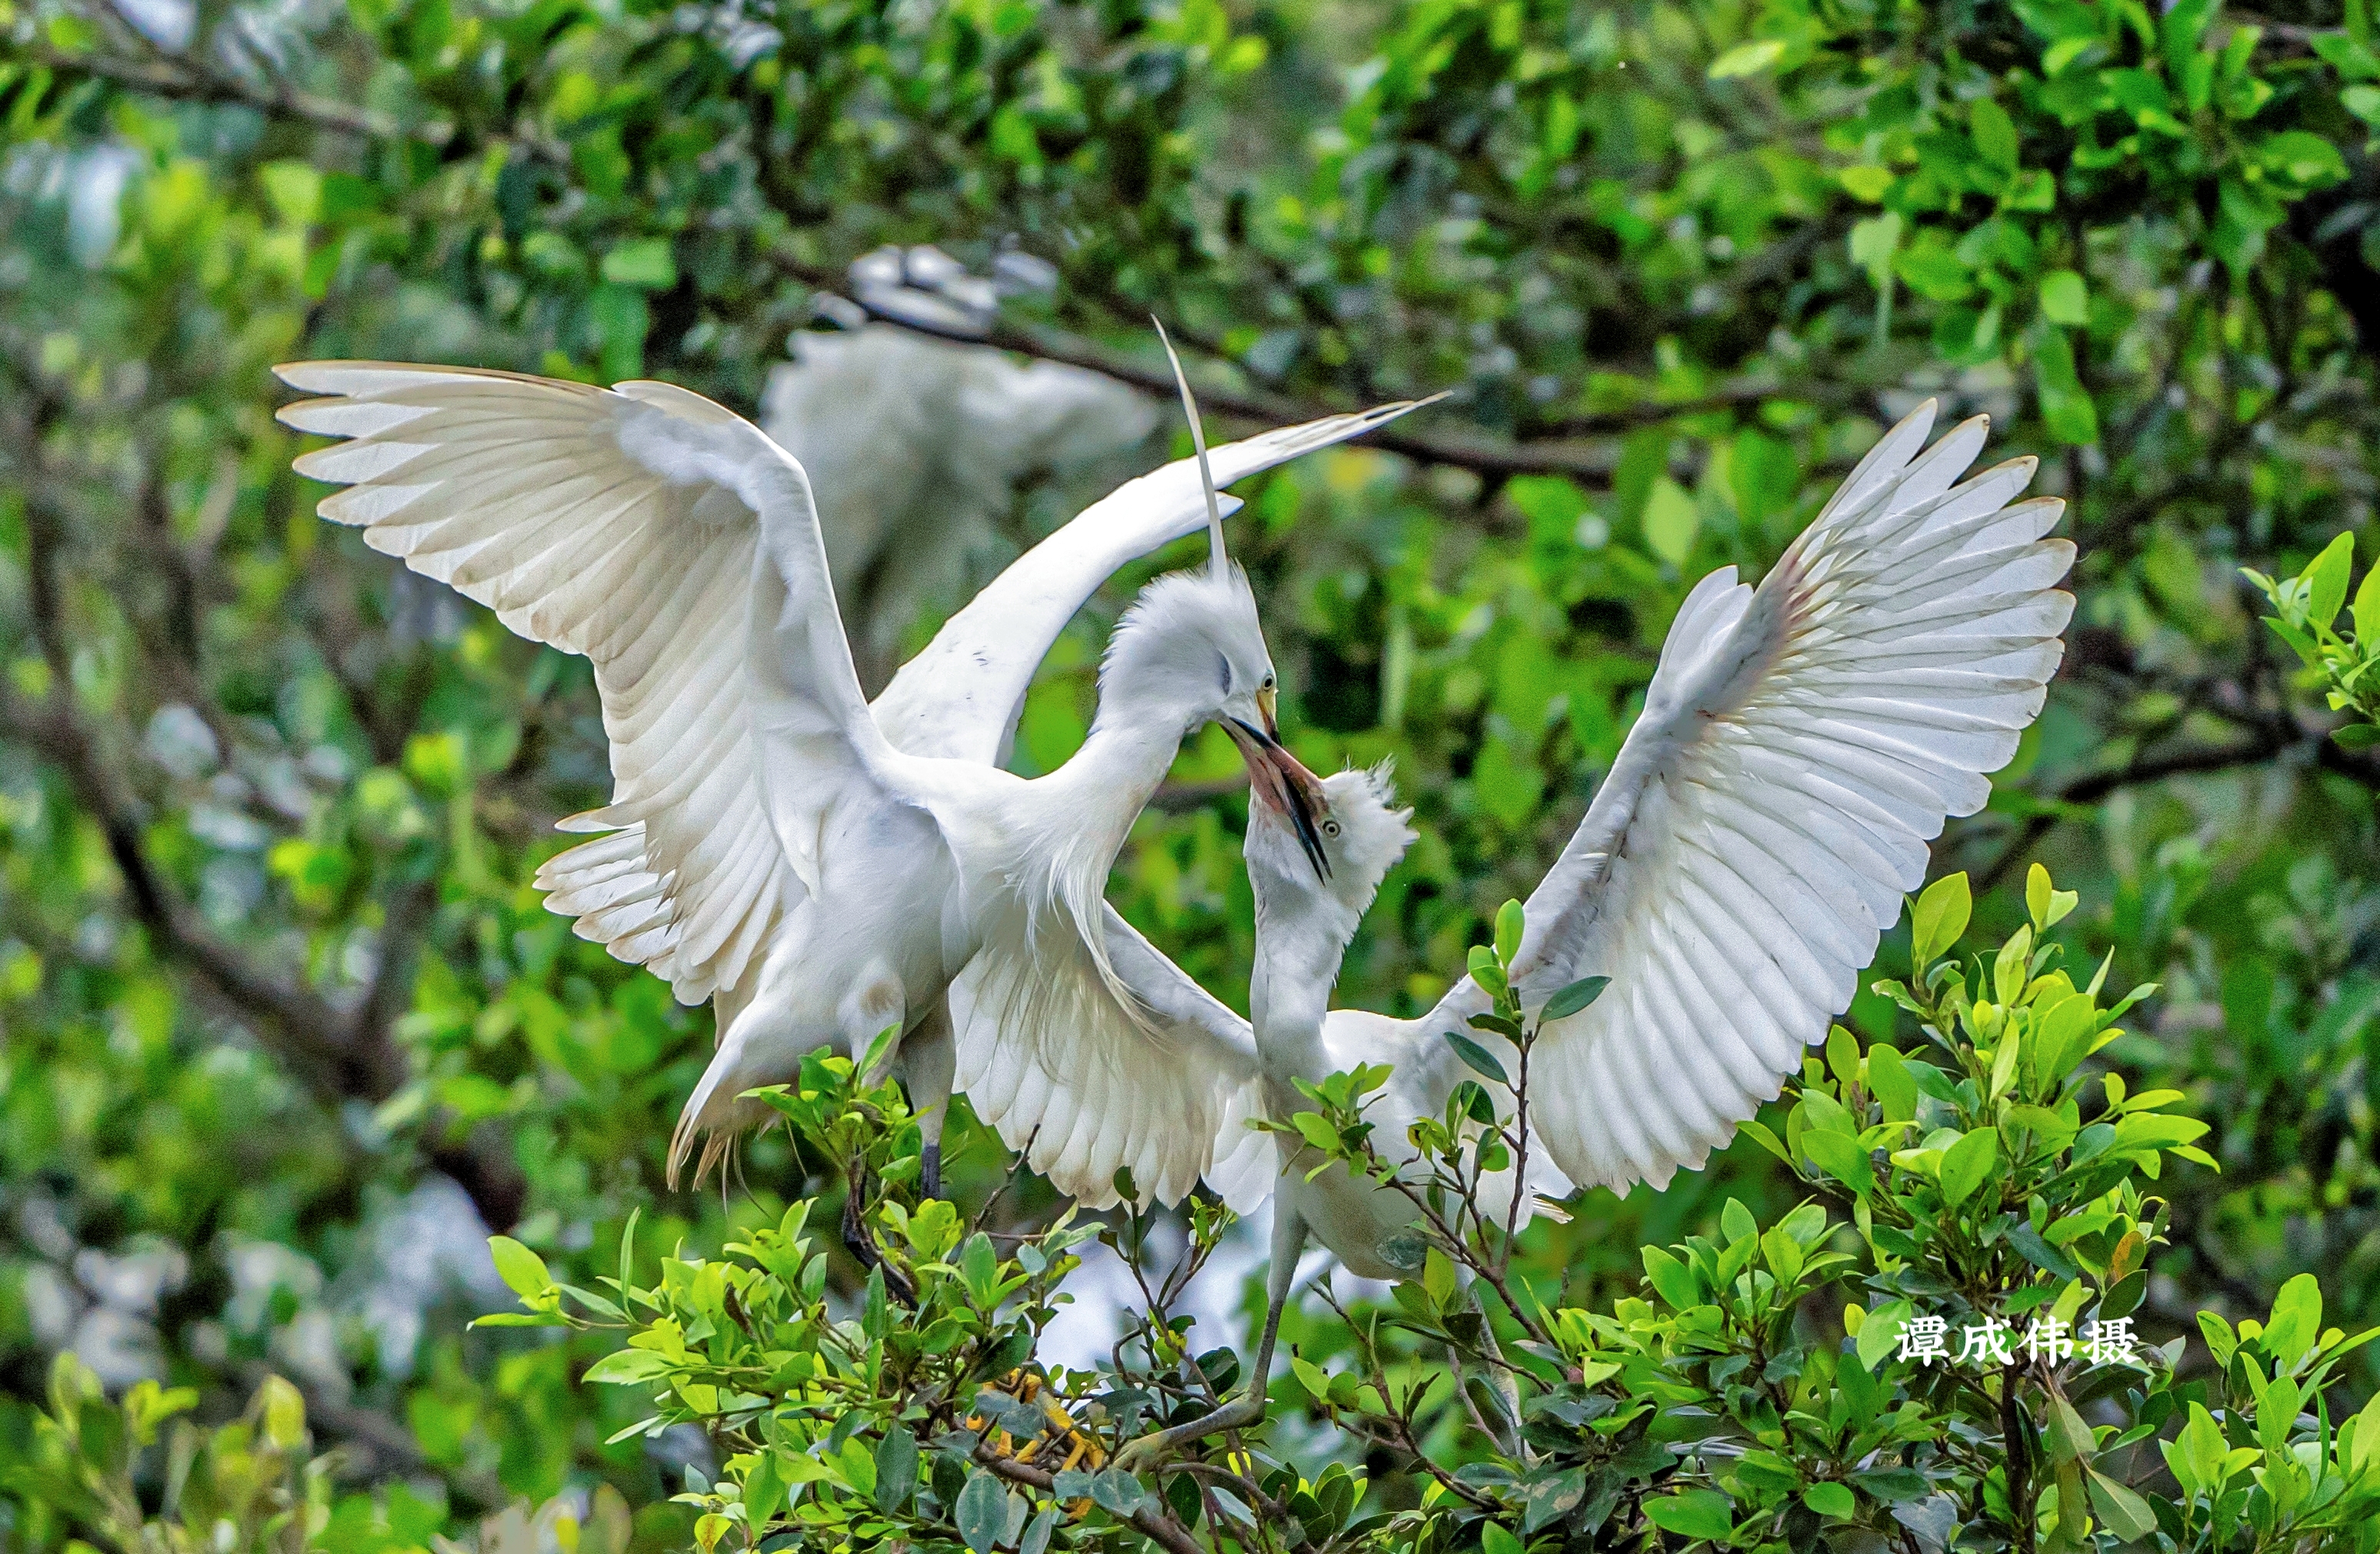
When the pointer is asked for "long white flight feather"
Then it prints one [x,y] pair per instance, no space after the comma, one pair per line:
[1197,441]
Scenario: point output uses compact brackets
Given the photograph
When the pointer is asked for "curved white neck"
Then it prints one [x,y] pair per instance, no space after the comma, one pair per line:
[1302,936]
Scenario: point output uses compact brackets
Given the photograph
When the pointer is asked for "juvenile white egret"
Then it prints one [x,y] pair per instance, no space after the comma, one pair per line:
[1801,745]
[823,870]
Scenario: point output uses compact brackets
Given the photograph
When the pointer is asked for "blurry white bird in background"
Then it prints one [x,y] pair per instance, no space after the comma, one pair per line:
[1801,745]
[822,869]
[916,447]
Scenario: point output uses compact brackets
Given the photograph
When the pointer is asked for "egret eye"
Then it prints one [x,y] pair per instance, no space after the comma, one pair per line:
[1329,827]
[1268,683]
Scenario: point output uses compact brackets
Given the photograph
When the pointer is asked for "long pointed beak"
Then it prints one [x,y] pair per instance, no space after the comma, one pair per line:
[1281,782]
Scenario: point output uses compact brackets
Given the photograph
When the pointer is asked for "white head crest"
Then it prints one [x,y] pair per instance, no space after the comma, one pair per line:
[1198,440]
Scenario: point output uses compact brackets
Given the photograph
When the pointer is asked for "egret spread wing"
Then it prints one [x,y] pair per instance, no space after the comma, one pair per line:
[961,696]
[1801,745]
[620,524]
[1168,1094]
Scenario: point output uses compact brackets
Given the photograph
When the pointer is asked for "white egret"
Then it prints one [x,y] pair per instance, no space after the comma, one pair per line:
[821,869]
[1801,745]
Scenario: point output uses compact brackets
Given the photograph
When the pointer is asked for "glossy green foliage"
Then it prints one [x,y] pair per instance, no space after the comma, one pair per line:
[2333,647]
[1680,265]
[1998,1183]
[1995,1184]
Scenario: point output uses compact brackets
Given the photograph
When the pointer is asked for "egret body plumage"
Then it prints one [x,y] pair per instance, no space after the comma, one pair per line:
[1801,745]
[821,869]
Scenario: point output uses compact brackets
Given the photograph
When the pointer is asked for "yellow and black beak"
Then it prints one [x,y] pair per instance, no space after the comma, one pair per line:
[1281,783]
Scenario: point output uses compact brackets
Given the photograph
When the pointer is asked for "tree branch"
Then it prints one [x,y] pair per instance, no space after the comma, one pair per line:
[1587,462]
[189,81]
[2092,787]
[1591,463]
[340,1055]
[1160,1528]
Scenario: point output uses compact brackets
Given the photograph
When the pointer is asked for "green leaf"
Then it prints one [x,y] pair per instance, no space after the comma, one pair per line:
[880,1051]
[1494,1539]
[1995,134]
[1671,521]
[982,1511]
[1117,1492]
[980,1266]
[2367,609]
[2326,577]
[764,1492]
[2126,1513]
[1746,59]
[1672,1280]
[1311,1377]
[2039,1252]
[2068,1437]
[1478,1058]
[1890,1080]
[2046,905]
[1967,1164]
[1569,1001]
[1842,1057]
[1937,920]
[285,1414]
[1892,1486]
[2064,298]
[1704,1514]
[2296,1320]
[522,1270]
[896,1468]
[2303,158]
[1839,1156]
[1437,1276]
[1510,921]
[1831,1499]
[645,263]
[627,1367]
[1880,1334]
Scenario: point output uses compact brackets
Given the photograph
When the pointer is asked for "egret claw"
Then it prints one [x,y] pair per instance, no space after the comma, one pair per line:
[1141,1455]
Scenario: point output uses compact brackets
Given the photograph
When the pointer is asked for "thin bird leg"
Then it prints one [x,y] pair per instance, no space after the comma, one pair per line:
[929,1064]
[1248,1408]
[1498,1373]
[862,1243]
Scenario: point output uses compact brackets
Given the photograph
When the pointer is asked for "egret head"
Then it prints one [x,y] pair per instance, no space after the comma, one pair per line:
[1190,649]
[1319,839]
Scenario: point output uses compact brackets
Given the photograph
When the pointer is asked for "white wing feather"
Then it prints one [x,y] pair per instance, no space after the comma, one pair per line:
[621,524]
[961,696]
[1801,745]
[1099,1090]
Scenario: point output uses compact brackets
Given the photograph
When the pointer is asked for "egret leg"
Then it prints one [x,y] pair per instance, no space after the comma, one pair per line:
[862,1246]
[1248,1408]
[929,1064]
[874,1004]
[1499,1379]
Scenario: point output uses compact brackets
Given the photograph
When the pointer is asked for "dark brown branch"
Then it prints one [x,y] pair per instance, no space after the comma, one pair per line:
[1160,1528]
[1589,463]
[188,80]
[2092,787]
[183,80]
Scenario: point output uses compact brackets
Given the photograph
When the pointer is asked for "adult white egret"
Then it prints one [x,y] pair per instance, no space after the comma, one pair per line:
[821,869]
[1801,745]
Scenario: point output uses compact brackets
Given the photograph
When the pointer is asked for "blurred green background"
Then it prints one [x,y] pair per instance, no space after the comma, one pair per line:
[283,1031]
